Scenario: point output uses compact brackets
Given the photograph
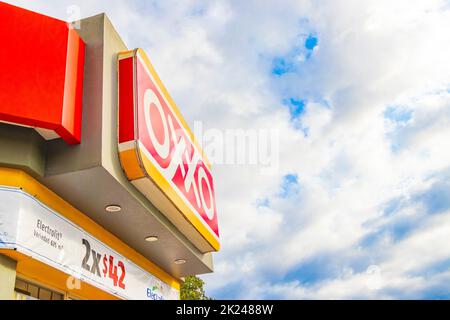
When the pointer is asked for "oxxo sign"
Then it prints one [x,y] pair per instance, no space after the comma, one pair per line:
[91,263]
[160,155]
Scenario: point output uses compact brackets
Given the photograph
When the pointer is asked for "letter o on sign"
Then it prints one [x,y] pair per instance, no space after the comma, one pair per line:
[151,101]
[208,210]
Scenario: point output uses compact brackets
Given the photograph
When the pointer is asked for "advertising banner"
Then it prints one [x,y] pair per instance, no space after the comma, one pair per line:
[34,229]
[160,155]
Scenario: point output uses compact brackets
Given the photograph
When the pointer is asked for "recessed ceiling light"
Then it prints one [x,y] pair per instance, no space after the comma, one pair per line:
[113,208]
[151,239]
[180,261]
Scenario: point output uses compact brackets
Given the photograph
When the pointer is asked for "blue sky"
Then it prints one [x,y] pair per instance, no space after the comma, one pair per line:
[360,94]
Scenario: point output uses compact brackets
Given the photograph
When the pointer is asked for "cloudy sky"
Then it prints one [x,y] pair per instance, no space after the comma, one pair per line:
[359,95]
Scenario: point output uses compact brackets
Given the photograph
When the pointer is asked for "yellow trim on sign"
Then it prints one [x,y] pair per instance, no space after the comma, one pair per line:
[172,103]
[162,183]
[133,171]
[17,178]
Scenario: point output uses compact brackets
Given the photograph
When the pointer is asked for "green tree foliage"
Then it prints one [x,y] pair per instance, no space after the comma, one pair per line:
[192,289]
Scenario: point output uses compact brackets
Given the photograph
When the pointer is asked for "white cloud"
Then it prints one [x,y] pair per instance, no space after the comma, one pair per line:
[215,58]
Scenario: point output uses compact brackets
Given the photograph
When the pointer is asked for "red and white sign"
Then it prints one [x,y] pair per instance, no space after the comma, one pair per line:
[159,153]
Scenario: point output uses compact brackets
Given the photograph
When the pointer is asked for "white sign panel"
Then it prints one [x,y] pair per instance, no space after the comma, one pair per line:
[36,230]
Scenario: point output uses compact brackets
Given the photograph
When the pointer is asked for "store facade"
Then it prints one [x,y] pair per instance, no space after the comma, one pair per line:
[104,191]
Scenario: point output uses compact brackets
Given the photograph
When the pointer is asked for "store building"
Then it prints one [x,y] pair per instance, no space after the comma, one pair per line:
[104,191]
